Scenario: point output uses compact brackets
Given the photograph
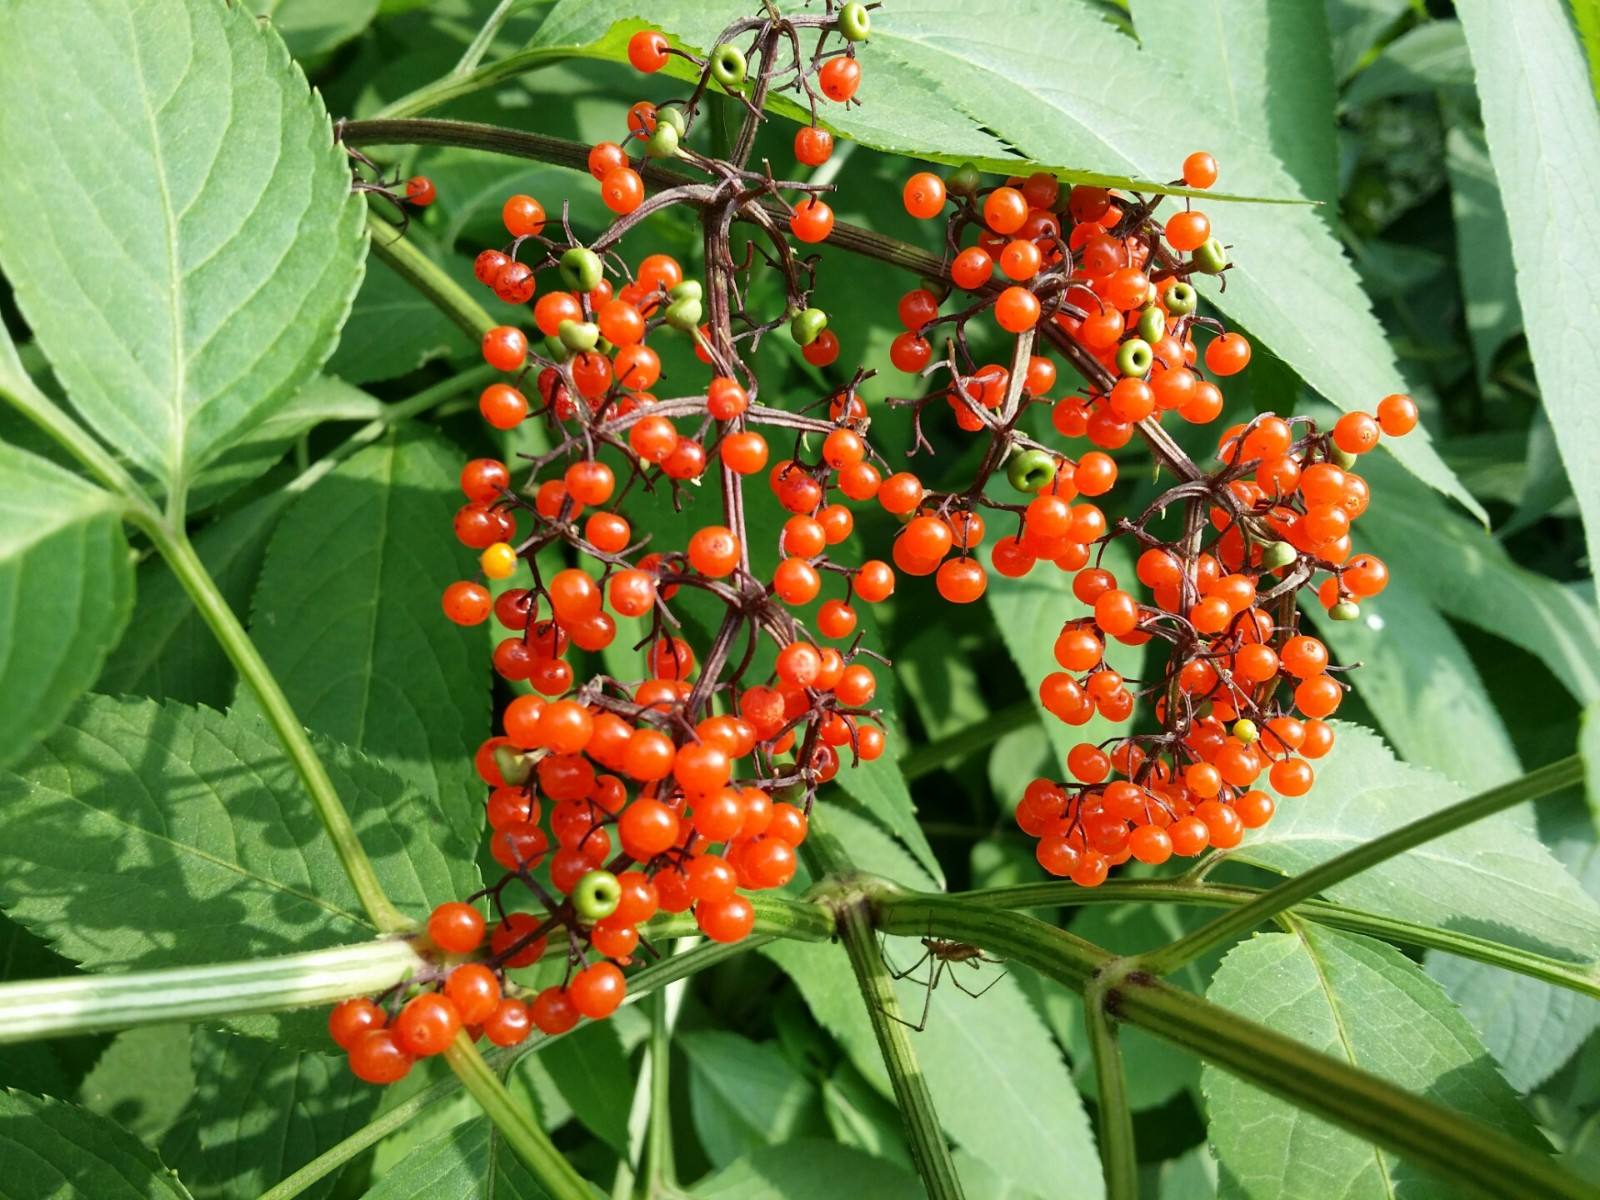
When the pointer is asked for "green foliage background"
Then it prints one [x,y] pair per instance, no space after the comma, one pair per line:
[1453,152]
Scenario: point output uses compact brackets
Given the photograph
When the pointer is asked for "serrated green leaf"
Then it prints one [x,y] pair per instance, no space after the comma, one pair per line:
[185,263]
[347,615]
[1356,25]
[1421,684]
[1469,576]
[260,1112]
[1364,1003]
[148,835]
[862,1117]
[807,1169]
[1267,68]
[1531,1027]
[589,1067]
[143,1081]
[175,655]
[1426,58]
[1543,129]
[393,329]
[66,588]
[56,1151]
[745,1095]
[470,1162]
[1491,878]
[45,1068]
[313,27]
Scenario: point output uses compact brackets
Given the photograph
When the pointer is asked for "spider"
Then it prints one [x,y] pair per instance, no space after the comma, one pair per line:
[944,954]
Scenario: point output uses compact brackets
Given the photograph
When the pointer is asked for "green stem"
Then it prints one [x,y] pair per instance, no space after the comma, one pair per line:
[533,1146]
[658,1164]
[47,1008]
[429,278]
[1119,1156]
[1578,976]
[454,86]
[480,44]
[1472,1155]
[1235,924]
[929,1150]
[924,760]
[180,555]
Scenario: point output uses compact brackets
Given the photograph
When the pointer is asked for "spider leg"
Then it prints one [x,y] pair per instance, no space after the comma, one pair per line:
[927,1000]
[965,990]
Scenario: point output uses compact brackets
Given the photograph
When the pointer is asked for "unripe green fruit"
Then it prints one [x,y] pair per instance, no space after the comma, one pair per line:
[1245,730]
[1341,458]
[581,269]
[671,114]
[663,142]
[808,326]
[514,765]
[1345,610]
[579,336]
[1210,257]
[683,315]
[596,895]
[1182,299]
[1278,555]
[1135,357]
[1152,324]
[855,22]
[964,180]
[728,65]
[1031,471]
[689,289]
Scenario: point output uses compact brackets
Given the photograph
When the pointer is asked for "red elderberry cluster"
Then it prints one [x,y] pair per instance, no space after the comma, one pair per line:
[682,788]
[1096,279]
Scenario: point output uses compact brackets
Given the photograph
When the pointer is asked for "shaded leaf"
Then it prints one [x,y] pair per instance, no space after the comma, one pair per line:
[745,1095]
[313,27]
[184,264]
[393,329]
[55,1151]
[347,616]
[808,1170]
[143,1081]
[1426,58]
[589,1067]
[66,588]
[1483,244]
[1543,129]
[470,1162]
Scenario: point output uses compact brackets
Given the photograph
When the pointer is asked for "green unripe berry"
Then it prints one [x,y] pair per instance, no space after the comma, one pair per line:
[1182,299]
[807,326]
[964,180]
[1345,610]
[689,289]
[684,315]
[1152,324]
[1341,458]
[1210,257]
[663,142]
[1278,555]
[581,269]
[728,65]
[671,114]
[1031,471]
[579,336]
[514,765]
[596,896]
[855,23]
[1135,357]
[1245,730]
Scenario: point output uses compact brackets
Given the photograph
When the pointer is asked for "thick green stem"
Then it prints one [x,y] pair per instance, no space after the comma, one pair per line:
[429,278]
[1233,925]
[1119,1156]
[532,1145]
[929,1150]
[473,55]
[1578,976]
[180,555]
[1471,1155]
[46,1008]
[659,1167]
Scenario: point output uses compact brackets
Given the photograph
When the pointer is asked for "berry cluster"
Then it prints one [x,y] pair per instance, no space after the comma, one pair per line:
[1095,277]
[682,789]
